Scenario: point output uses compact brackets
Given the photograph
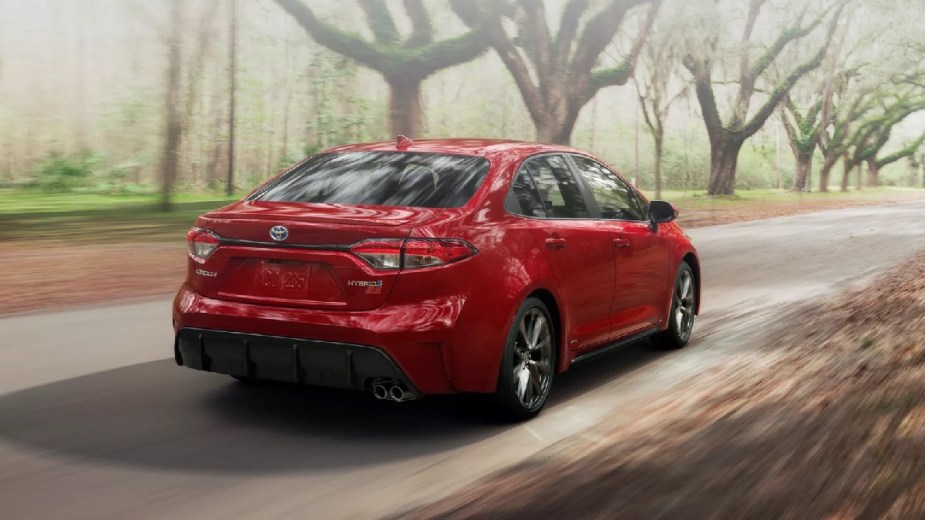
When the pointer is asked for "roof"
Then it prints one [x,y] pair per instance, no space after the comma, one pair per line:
[458,146]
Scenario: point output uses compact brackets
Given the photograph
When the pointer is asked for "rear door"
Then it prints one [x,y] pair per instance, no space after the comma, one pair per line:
[641,267]
[577,249]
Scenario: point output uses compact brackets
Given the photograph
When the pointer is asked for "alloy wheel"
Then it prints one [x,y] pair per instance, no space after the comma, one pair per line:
[684,305]
[532,360]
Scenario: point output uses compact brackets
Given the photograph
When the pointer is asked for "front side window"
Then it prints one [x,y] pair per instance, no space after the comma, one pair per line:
[557,187]
[615,198]
[380,179]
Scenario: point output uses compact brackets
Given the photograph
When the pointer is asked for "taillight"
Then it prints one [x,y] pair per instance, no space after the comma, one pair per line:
[413,253]
[202,243]
[381,254]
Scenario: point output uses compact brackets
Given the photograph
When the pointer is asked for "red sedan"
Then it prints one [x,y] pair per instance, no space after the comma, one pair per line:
[432,267]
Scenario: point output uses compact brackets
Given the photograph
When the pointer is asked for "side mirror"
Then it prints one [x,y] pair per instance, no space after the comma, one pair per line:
[661,211]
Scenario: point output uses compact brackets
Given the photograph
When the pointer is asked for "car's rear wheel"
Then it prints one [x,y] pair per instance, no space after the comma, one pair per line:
[528,363]
[683,310]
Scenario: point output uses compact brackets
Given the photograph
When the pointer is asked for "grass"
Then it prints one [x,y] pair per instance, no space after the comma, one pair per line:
[87,217]
[745,196]
[92,217]
[17,202]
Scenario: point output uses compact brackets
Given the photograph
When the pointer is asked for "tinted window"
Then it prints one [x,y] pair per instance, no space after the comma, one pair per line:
[557,186]
[524,199]
[642,204]
[615,198]
[380,179]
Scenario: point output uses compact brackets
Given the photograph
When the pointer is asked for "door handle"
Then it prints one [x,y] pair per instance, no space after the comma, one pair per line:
[621,243]
[556,243]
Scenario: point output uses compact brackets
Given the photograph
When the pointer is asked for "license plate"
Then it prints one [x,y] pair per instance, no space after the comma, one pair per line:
[284,280]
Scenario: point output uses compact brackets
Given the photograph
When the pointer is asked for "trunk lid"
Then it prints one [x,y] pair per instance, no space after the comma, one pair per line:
[309,265]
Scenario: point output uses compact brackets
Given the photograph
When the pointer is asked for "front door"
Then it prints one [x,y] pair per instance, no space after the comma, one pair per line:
[641,260]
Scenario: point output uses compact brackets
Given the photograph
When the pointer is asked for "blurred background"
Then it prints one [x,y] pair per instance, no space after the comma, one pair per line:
[91,89]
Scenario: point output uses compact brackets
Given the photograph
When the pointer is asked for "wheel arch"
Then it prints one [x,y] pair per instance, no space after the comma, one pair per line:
[691,259]
[549,300]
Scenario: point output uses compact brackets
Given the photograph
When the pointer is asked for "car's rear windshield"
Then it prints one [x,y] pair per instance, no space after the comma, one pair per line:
[380,179]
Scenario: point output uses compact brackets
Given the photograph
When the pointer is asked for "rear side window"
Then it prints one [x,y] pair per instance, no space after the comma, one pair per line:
[524,199]
[380,179]
[615,198]
[558,188]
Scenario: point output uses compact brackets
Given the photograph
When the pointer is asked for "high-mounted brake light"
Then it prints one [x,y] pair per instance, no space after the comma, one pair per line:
[413,253]
[202,243]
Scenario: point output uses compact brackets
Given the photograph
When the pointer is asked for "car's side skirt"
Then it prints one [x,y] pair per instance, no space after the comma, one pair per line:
[607,349]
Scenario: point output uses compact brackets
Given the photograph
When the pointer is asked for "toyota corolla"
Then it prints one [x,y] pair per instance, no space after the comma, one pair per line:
[432,267]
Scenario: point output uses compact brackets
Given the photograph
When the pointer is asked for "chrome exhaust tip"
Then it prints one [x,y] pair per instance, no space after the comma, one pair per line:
[396,393]
[380,391]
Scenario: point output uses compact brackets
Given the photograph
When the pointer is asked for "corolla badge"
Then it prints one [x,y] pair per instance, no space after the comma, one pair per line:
[279,233]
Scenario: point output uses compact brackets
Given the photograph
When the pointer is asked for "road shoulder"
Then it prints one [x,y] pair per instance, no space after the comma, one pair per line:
[828,423]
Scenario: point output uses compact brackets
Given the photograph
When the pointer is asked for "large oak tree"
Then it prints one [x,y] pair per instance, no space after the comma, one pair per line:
[706,61]
[558,70]
[404,61]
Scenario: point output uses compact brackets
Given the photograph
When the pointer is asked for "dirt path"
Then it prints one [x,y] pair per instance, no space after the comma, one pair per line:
[832,427]
[50,275]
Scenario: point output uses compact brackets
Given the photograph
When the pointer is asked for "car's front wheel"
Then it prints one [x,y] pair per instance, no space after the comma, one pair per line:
[683,310]
[528,364]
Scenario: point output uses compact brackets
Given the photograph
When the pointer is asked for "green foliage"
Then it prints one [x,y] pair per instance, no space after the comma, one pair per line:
[340,117]
[59,173]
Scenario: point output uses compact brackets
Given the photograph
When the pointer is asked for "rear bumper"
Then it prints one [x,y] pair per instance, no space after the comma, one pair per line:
[290,360]
[442,345]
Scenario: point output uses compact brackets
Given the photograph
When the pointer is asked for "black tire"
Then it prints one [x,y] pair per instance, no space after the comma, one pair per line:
[245,380]
[513,392]
[683,301]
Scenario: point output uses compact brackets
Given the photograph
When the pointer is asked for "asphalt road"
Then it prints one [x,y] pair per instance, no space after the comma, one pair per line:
[96,421]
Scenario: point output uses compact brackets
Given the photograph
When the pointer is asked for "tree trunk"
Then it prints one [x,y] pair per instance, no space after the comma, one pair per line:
[174,124]
[846,174]
[826,172]
[724,158]
[552,131]
[859,184]
[232,92]
[405,112]
[557,125]
[659,152]
[804,164]
[873,174]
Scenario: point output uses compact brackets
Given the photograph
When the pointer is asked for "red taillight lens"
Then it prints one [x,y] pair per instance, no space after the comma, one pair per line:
[413,253]
[431,252]
[202,243]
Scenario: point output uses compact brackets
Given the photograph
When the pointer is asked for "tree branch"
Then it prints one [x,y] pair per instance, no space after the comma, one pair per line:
[703,85]
[445,53]
[350,45]
[514,62]
[754,9]
[621,73]
[422,31]
[792,33]
[380,21]
[568,29]
[538,31]
[784,87]
[906,151]
[599,33]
